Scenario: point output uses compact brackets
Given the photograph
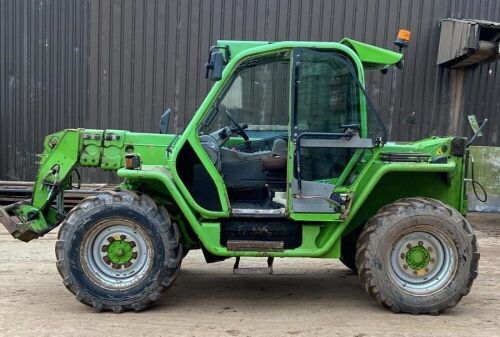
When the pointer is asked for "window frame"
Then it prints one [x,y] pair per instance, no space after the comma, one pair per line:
[364,98]
[280,55]
[360,145]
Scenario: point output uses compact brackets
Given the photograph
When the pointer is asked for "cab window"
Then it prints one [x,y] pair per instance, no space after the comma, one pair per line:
[257,96]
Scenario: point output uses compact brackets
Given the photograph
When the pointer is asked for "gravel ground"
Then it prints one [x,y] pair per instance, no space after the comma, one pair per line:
[304,297]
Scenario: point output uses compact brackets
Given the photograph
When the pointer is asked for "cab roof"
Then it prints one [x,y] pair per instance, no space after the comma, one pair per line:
[372,57]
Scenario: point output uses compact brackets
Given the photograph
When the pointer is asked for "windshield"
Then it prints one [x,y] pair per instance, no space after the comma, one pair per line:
[258,96]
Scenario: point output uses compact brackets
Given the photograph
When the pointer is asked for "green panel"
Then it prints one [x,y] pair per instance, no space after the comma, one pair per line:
[91,151]
[372,57]
[381,182]
[309,235]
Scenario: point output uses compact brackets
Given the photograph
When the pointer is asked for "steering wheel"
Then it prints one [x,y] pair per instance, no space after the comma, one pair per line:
[238,129]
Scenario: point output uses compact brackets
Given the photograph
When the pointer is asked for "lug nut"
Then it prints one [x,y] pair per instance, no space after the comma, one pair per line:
[405,266]
[104,248]
[426,270]
[402,255]
[123,237]
[432,260]
[409,246]
[429,249]
[414,272]
[420,243]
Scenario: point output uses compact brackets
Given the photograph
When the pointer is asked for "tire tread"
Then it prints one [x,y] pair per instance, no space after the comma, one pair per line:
[363,254]
[149,207]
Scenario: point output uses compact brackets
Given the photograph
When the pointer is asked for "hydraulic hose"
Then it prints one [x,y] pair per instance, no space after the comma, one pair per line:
[476,184]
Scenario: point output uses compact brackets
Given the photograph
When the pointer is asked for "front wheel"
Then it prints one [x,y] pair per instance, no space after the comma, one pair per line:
[418,256]
[118,251]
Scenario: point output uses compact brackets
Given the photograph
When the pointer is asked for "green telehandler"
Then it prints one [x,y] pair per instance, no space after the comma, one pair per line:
[285,157]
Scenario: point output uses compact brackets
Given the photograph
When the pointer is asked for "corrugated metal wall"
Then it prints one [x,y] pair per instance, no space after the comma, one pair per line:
[118,63]
[43,77]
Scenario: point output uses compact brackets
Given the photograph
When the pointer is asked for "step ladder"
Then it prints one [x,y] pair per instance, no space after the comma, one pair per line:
[253,270]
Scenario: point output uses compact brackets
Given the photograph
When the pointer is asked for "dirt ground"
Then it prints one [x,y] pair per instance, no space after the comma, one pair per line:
[304,297]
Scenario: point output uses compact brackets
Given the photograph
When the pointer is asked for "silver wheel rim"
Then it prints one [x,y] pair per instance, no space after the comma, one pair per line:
[95,260]
[424,278]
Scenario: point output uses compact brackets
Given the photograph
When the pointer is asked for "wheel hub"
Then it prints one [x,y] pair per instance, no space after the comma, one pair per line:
[417,257]
[119,252]
[421,262]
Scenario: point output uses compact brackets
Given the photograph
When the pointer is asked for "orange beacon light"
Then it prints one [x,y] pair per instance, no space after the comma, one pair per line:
[403,38]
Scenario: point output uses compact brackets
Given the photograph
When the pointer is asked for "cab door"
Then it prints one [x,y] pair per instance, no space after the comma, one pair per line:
[330,134]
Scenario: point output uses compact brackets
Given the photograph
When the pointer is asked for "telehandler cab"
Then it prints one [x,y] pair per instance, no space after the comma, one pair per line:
[285,157]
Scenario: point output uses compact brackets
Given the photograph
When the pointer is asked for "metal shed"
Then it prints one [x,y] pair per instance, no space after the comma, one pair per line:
[118,64]
[463,43]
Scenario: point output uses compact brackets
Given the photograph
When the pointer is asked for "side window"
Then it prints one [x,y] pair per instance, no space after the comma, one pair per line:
[258,96]
[327,100]
[326,96]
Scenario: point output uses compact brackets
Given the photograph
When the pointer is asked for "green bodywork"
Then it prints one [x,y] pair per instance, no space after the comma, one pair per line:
[379,182]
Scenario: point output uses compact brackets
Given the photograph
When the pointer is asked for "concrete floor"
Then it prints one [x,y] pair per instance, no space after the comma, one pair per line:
[305,297]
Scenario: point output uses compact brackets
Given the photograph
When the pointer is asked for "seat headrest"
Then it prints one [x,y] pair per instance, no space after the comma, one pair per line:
[280,147]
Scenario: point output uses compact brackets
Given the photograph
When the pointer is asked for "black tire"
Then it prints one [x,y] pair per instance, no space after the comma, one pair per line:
[348,249]
[158,249]
[407,219]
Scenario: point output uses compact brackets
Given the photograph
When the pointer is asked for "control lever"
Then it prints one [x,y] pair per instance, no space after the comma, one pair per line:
[477,131]
[354,126]
[164,121]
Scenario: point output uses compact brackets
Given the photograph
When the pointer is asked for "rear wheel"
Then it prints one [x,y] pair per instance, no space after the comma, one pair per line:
[417,255]
[118,251]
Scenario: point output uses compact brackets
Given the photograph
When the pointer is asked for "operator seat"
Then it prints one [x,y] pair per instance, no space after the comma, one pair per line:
[276,160]
[243,170]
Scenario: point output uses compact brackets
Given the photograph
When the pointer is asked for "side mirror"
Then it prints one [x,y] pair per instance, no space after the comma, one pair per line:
[164,121]
[215,66]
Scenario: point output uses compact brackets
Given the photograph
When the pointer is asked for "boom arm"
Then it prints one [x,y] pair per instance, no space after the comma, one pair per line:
[63,152]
